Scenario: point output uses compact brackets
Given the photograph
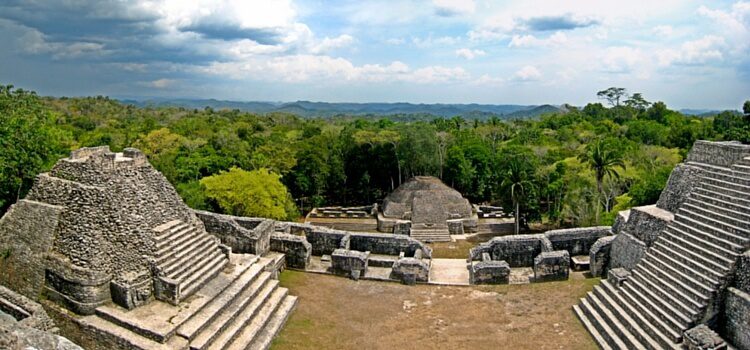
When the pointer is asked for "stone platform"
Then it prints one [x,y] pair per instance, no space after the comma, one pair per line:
[243,307]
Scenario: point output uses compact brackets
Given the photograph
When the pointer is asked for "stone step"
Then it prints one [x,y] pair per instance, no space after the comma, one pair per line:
[728,182]
[688,265]
[675,307]
[252,278]
[698,295]
[685,276]
[742,168]
[655,325]
[175,246]
[197,265]
[250,321]
[721,267]
[598,338]
[601,326]
[277,321]
[729,175]
[730,207]
[249,298]
[667,289]
[622,319]
[736,218]
[643,323]
[128,339]
[612,321]
[720,228]
[174,234]
[196,280]
[724,193]
[719,248]
[184,245]
[165,228]
[667,311]
[184,260]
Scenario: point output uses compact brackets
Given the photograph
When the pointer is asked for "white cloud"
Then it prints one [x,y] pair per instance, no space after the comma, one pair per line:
[529,40]
[622,59]
[698,51]
[35,42]
[395,41]
[430,41]
[470,54]
[454,7]
[159,83]
[663,31]
[527,73]
[333,43]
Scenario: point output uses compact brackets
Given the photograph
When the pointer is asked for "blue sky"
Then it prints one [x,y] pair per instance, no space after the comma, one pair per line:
[689,54]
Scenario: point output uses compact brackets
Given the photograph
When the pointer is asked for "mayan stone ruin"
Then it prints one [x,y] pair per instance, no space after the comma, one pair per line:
[104,254]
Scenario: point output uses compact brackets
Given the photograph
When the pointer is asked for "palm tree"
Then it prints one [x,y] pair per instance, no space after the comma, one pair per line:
[517,178]
[603,159]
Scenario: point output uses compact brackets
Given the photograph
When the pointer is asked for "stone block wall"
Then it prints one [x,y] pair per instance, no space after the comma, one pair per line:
[599,256]
[577,241]
[517,250]
[411,270]
[736,325]
[349,262]
[647,223]
[388,244]
[488,271]
[682,181]
[244,235]
[296,248]
[27,233]
[552,266]
[25,311]
[626,251]
[718,153]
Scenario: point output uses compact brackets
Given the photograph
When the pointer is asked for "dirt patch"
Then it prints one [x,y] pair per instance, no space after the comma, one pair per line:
[337,313]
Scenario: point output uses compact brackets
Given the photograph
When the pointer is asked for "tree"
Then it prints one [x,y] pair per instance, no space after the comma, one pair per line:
[637,102]
[517,178]
[746,110]
[613,95]
[250,193]
[602,158]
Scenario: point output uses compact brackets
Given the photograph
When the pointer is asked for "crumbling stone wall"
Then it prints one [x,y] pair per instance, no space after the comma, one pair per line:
[27,232]
[577,241]
[296,249]
[626,251]
[552,266]
[488,271]
[599,256]
[350,263]
[718,153]
[737,318]
[410,270]
[647,223]
[244,235]
[25,311]
[517,250]
[683,179]
[16,335]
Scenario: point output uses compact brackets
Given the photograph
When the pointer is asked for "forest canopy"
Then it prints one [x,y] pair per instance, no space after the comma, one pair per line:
[576,167]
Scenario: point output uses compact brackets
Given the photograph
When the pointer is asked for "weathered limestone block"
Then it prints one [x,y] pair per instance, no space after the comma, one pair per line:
[516,250]
[599,256]
[350,263]
[736,325]
[552,266]
[296,248]
[577,241]
[620,220]
[626,251]
[244,235]
[718,153]
[15,335]
[682,181]
[618,276]
[411,270]
[742,273]
[488,271]
[25,311]
[132,290]
[647,223]
[27,232]
[455,227]
[402,228]
[703,338]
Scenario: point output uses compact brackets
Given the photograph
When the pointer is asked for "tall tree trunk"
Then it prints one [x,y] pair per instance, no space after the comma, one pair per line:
[518,217]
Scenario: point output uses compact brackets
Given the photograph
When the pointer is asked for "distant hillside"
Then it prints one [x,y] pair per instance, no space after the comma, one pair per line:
[309,109]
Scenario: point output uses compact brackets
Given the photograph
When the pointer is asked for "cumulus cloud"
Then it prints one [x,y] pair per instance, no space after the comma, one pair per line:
[529,40]
[700,51]
[333,43]
[159,83]
[622,59]
[470,54]
[663,31]
[449,8]
[527,73]
[562,22]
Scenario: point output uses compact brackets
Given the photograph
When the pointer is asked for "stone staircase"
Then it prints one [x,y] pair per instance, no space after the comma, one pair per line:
[438,234]
[241,308]
[675,286]
[186,258]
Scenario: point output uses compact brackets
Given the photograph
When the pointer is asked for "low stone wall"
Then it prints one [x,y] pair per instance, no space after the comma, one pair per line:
[626,251]
[599,256]
[517,251]
[489,271]
[620,221]
[682,181]
[244,235]
[742,273]
[79,289]
[17,335]
[647,223]
[25,311]
[552,266]
[718,153]
[577,241]
[411,270]
[349,263]
[296,248]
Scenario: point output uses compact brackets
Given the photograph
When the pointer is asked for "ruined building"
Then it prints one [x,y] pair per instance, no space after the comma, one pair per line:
[423,207]
[120,262]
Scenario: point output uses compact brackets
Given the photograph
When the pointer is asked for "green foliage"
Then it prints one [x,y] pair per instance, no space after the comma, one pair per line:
[648,187]
[250,193]
[6,253]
